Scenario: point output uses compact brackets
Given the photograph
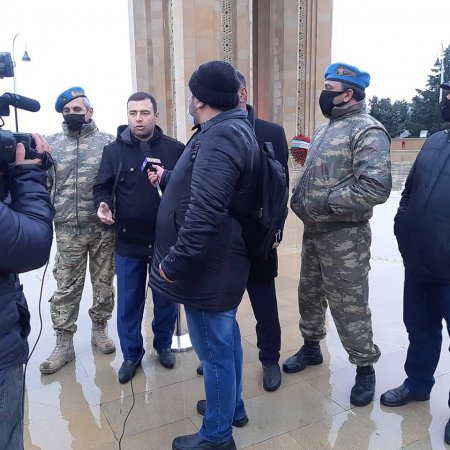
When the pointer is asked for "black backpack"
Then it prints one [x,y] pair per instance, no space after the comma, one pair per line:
[263,225]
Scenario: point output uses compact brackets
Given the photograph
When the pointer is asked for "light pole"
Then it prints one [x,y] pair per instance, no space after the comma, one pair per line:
[439,65]
[25,58]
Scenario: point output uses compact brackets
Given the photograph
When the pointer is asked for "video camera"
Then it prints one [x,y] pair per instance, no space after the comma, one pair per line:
[8,139]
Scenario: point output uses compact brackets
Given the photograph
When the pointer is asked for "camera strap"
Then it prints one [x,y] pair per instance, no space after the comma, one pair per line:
[113,192]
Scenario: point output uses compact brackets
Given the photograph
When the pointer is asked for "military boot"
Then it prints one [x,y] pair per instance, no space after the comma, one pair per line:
[100,338]
[308,355]
[61,354]
[364,388]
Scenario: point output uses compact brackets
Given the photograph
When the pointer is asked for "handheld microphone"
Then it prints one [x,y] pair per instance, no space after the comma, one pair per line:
[147,165]
[21,102]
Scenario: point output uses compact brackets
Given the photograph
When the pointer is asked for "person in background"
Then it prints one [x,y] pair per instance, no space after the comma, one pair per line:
[80,236]
[261,280]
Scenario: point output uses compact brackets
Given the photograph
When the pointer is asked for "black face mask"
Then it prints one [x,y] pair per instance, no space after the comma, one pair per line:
[446,111]
[326,101]
[74,121]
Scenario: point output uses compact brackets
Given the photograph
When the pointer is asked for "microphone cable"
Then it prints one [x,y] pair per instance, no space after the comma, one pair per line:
[141,339]
[48,164]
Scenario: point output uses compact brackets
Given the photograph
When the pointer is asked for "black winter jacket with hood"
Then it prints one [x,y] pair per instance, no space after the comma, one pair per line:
[134,201]
[198,241]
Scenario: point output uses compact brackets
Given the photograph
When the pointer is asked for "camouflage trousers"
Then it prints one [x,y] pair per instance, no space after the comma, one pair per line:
[334,272]
[70,271]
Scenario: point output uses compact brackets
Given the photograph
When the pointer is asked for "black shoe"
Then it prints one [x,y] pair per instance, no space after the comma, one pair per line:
[447,433]
[128,370]
[196,442]
[271,377]
[364,388]
[238,423]
[166,357]
[401,396]
[200,369]
[308,355]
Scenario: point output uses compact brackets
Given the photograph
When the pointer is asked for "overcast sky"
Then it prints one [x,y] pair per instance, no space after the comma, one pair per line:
[86,43]
[83,43]
[396,41]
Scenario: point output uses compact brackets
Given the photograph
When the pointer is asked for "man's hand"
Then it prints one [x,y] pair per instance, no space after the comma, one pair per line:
[105,214]
[155,175]
[41,147]
[164,276]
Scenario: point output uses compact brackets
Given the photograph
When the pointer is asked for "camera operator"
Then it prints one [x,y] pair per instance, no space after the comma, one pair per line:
[26,215]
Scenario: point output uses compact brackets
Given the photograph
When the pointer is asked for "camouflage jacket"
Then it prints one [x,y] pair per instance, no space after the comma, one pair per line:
[77,156]
[347,171]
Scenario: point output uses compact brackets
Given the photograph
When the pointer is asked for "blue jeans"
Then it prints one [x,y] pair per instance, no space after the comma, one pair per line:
[11,408]
[131,287]
[425,304]
[217,341]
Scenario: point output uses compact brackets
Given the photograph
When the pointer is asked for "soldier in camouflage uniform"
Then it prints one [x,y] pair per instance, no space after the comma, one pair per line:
[347,173]
[77,152]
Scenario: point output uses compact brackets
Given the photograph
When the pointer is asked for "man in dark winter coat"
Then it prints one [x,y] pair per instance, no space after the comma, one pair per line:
[200,258]
[261,281]
[123,188]
[26,230]
[422,228]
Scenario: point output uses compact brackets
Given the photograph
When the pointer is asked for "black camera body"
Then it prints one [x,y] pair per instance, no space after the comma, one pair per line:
[8,143]
[8,139]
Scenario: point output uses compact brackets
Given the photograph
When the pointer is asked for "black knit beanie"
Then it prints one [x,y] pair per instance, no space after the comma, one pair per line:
[216,84]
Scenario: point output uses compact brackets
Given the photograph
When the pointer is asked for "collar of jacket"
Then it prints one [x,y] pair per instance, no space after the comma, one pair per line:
[124,135]
[235,113]
[341,111]
[251,116]
[86,130]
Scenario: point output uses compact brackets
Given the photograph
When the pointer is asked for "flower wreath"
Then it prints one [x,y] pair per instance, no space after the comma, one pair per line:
[299,148]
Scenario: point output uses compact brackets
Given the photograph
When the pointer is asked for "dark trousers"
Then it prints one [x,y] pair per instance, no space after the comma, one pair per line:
[131,287]
[268,332]
[425,304]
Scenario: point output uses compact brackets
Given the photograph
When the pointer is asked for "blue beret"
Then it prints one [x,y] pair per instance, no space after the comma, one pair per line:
[68,96]
[446,86]
[345,73]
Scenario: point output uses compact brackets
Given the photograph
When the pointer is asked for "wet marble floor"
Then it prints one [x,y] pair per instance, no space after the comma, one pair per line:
[84,407]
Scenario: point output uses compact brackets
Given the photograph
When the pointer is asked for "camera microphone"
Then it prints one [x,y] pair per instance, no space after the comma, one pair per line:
[21,102]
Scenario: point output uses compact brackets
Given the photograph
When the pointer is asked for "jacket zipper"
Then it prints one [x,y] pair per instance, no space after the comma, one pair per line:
[76,180]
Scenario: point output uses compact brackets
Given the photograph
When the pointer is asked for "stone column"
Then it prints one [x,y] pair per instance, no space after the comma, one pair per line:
[281,46]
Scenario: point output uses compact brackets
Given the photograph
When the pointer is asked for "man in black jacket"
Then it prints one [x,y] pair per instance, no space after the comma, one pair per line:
[123,188]
[422,228]
[26,230]
[261,281]
[200,257]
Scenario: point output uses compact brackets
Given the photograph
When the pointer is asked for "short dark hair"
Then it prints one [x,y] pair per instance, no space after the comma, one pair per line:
[138,96]
[358,93]
[241,79]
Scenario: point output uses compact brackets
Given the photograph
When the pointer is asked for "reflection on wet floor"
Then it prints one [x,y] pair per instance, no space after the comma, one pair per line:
[400,172]
[84,407]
